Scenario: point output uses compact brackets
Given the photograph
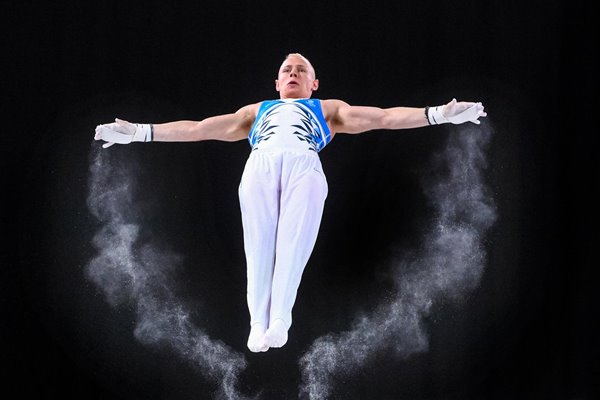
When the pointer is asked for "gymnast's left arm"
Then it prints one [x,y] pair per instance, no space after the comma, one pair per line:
[345,118]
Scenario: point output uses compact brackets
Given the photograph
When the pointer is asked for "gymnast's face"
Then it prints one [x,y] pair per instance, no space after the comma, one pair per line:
[296,79]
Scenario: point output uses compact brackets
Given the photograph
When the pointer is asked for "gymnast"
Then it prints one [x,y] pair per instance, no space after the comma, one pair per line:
[283,188]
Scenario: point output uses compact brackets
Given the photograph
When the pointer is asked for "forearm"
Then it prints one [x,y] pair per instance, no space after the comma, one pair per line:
[189,131]
[179,131]
[403,118]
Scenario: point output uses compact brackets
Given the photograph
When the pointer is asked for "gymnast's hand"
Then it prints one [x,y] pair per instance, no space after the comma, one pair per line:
[455,113]
[458,112]
[123,132]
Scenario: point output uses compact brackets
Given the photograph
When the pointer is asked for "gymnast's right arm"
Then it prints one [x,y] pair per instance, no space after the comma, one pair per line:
[227,127]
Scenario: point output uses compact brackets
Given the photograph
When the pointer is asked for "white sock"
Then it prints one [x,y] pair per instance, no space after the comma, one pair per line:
[256,342]
[277,334]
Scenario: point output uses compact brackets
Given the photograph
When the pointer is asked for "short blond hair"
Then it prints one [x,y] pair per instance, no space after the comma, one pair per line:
[305,60]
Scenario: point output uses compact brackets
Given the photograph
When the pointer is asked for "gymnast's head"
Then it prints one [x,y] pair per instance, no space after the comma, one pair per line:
[296,78]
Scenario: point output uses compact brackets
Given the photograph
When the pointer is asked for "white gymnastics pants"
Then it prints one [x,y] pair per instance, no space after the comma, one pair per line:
[282,194]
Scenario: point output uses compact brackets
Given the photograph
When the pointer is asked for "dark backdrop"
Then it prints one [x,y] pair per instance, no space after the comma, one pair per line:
[526,332]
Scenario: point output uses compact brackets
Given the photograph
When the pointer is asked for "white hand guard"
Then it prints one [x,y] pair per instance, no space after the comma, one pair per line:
[123,132]
[456,113]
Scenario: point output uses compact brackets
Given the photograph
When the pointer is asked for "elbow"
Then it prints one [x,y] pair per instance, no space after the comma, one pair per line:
[194,132]
[386,122]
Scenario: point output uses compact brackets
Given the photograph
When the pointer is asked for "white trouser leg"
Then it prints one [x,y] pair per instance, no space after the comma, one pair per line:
[259,202]
[303,193]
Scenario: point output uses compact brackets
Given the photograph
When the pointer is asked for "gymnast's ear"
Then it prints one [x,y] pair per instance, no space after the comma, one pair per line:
[315,85]
[277,85]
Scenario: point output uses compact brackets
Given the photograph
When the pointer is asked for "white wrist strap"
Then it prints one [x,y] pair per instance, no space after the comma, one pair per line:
[435,116]
[143,133]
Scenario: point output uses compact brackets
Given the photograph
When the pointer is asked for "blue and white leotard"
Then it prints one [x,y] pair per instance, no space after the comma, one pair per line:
[290,124]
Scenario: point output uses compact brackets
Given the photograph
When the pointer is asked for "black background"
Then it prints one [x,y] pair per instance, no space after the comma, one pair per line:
[527,332]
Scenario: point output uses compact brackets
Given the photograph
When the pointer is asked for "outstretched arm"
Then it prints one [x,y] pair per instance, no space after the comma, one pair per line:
[227,127]
[356,119]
